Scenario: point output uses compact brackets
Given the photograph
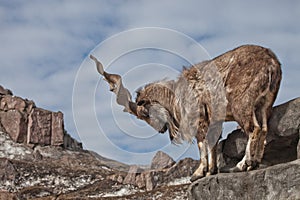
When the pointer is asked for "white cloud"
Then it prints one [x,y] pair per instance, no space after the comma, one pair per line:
[44,43]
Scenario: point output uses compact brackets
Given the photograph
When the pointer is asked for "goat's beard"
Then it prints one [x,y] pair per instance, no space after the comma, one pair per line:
[161,120]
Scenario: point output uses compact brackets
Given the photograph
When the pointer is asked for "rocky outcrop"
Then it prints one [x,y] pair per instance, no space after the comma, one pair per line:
[132,176]
[150,179]
[161,160]
[28,124]
[281,181]
[4,91]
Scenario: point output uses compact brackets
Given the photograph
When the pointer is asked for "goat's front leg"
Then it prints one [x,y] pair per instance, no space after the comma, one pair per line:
[212,160]
[203,167]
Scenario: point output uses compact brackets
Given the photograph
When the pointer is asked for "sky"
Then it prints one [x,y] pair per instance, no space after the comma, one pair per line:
[45,46]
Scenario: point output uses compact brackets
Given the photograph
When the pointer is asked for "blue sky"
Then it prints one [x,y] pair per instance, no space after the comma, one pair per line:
[44,45]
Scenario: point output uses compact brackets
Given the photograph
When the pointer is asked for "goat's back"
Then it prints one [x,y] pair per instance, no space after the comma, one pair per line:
[251,76]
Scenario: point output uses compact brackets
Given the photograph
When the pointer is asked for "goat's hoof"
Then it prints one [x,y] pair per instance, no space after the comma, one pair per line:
[254,165]
[241,166]
[247,165]
[210,173]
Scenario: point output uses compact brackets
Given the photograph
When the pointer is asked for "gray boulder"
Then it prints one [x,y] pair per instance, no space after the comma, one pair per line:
[285,119]
[281,181]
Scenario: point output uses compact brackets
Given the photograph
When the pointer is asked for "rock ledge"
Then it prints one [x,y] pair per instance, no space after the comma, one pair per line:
[280,181]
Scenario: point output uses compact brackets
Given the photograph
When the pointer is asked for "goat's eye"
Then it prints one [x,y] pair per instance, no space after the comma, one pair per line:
[140,103]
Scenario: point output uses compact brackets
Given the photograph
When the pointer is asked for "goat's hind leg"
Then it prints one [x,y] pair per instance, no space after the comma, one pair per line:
[265,112]
[250,161]
[260,120]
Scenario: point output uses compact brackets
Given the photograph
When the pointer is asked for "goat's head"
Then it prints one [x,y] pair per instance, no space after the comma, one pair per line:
[150,109]
[153,103]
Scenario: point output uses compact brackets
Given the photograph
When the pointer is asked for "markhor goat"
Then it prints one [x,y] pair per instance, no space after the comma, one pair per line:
[240,85]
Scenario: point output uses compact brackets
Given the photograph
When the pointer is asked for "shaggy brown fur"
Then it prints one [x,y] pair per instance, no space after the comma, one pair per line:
[240,85]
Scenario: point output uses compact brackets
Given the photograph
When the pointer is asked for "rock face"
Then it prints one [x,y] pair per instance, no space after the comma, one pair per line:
[14,124]
[25,123]
[57,128]
[39,127]
[277,182]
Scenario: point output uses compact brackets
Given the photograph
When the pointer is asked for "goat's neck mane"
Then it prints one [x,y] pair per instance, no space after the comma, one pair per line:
[163,92]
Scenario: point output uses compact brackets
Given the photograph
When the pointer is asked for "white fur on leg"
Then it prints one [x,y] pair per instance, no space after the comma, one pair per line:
[202,169]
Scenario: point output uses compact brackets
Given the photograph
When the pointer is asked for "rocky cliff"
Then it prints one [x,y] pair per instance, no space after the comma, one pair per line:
[25,123]
[39,160]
